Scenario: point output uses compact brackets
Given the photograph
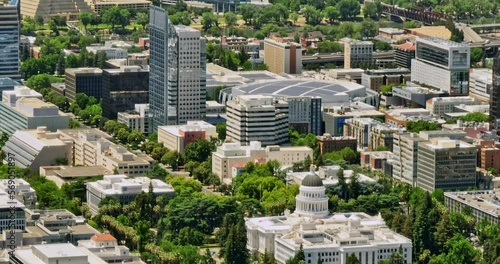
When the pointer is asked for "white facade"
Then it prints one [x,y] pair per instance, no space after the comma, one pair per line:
[93,148]
[140,119]
[23,108]
[64,253]
[105,247]
[442,105]
[331,238]
[23,191]
[481,81]
[111,53]
[123,188]
[38,147]
[178,137]
[257,118]
[231,155]
[442,64]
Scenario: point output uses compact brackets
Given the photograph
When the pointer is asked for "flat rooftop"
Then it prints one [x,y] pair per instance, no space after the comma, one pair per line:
[81,171]
[486,201]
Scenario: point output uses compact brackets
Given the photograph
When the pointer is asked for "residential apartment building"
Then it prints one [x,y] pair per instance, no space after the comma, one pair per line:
[232,155]
[37,147]
[481,83]
[83,80]
[446,164]
[257,118]
[23,191]
[106,247]
[495,95]
[241,44]
[111,53]
[374,79]
[404,53]
[176,138]
[177,80]
[305,114]
[139,119]
[282,56]
[123,88]
[358,53]
[367,237]
[442,64]
[9,42]
[125,189]
[405,150]
[24,109]
[327,143]
[369,133]
[399,116]
[483,205]
[92,147]
[442,105]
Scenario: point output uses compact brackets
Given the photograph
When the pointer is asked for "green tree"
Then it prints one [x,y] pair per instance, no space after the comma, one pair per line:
[172,158]
[53,27]
[231,19]
[476,55]
[113,16]
[331,13]
[421,125]
[39,20]
[209,20]
[235,251]
[294,17]
[221,131]
[352,259]
[142,19]
[348,8]
[85,19]
[198,150]
[135,138]
[371,10]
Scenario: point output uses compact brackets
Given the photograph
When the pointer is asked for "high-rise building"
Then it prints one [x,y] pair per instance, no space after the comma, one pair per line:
[123,88]
[442,64]
[282,56]
[403,54]
[357,53]
[9,40]
[305,114]
[446,164]
[177,82]
[495,95]
[257,118]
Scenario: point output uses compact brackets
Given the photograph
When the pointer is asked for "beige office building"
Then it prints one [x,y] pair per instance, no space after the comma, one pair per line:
[178,137]
[70,9]
[282,56]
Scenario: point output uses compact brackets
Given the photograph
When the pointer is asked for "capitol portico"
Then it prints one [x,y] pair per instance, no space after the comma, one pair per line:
[329,237]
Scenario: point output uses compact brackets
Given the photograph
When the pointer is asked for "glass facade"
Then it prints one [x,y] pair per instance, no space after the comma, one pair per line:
[432,54]
[9,40]
[495,95]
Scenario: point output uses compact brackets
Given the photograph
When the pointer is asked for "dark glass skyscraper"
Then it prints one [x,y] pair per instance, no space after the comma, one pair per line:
[177,77]
[9,40]
[495,95]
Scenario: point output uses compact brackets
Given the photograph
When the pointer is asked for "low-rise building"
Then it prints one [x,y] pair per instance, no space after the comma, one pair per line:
[54,253]
[140,119]
[11,210]
[65,174]
[442,105]
[399,116]
[352,74]
[327,143]
[111,53]
[330,238]
[446,164]
[106,247]
[328,175]
[415,96]
[375,159]
[23,108]
[176,138]
[125,189]
[336,117]
[230,155]
[98,6]
[484,205]
[55,226]
[489,153]
[92,147]
[83,80]
[23,191]
[37,147]
[374,79]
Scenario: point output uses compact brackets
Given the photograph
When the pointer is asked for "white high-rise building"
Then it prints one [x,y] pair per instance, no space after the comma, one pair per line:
[177,76]
[442,64]
[257,118]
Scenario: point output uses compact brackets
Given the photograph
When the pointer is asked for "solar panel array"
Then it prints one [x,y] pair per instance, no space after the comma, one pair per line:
[294,88]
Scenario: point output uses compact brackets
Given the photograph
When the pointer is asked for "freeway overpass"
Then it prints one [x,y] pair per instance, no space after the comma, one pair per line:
[339,58]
